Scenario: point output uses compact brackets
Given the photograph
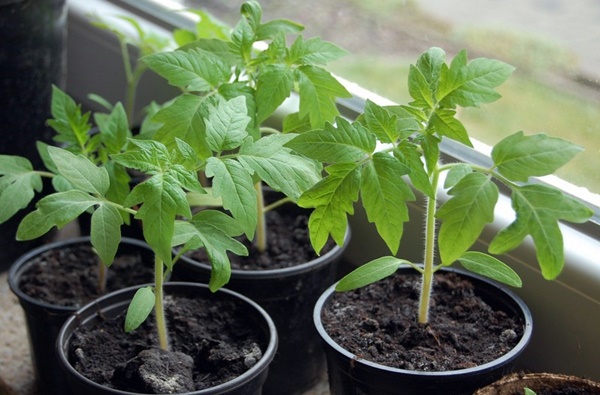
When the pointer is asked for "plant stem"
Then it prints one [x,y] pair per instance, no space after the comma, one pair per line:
[428,269]
[102,270]
[261,227]
[161,323]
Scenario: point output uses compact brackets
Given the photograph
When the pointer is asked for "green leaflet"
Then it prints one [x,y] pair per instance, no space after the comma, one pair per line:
[491,267]
[139,308]
[226,124]
[80,171]
[70,124]
[314,51]
[275,83]
[369,273]
[519,157]
[465,214]
[17,185]
[106,232]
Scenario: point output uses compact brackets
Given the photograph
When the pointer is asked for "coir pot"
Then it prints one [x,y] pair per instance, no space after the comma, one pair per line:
[110,307]
[45,319]
[350,374]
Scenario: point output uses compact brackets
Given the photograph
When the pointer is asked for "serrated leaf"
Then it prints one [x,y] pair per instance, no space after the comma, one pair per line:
[333,198]
[456,173]
[139,308]
[318,93]
[519,157]
[381,122]
[419,89]
[226,124]
[430,64]
[184,119]
[409,155]
[292,123]
[369,273]
[149,157]
[490,267]
[538,209]
[272,28]
[344,142]
[475,83]
[106,232]
[80,171]
[114,130]
[278,166]
[314,51]
[274,85]
[465,214]
[234,184]
[18,185]
[384,195]
[215,230]
[195,69]
[57,209]
[71,125]
[444,122]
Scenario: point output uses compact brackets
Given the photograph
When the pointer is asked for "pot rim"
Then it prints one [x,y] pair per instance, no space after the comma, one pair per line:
[504,359]
[97,306]
[282,272]
[24,261]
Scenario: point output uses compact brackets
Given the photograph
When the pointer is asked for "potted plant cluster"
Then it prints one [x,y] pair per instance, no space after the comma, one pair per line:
[375,157]
[232,83]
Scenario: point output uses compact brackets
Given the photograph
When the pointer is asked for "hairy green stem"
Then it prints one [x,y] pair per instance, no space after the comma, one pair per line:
[428,267]
[102,270]
[161,323]
[261,227]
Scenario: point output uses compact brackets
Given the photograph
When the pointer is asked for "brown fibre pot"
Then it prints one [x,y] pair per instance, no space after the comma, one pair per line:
[541,384]
[350,374]
[214,332]
[44,319]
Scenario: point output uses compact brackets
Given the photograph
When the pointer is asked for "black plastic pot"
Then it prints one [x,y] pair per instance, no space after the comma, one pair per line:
[349,374]
[44,320]
[547,383]
[32,58]
[114,304]
[288,295]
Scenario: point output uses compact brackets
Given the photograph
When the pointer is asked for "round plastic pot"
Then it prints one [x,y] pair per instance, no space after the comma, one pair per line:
[44,320]
[289,296]
[349,374]
[115,303]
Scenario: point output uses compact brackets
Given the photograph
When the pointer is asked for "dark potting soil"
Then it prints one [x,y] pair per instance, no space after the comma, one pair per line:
[288,244]
[379,323]
[211,342]
[68,276]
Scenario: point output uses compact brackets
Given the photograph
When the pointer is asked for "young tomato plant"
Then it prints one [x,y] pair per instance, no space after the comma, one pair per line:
[230,87]
[409,149]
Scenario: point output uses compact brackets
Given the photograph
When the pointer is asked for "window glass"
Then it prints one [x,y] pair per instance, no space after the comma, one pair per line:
[552,43]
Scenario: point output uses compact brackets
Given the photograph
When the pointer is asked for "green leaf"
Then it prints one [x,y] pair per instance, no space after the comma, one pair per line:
[519,157]
[344,142]
[333,198]
[430,64]
[17,185]
[275,83]
[162,200]
[226,124]
[271,29]
[71,125]
[106,232]
[444,123]
[278,166]
[538,209]
[80,171]
[234,184]
[292,123]
[114,130]
[57,209]
[195,69]
[381,122]
[474,84]
[419,89]
[314,51]
[384,194]
[139,308]
[456,173]
[464,216]
[491,267]
[215,230]
[409,154]
[149,157]
[184,119]
[369,273]
[318,93]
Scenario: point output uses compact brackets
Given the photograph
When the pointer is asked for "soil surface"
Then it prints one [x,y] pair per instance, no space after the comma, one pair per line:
[378,323]
[211,342]
[69,276]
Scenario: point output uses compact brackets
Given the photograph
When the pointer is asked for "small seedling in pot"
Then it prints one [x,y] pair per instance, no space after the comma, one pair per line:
[376,156]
